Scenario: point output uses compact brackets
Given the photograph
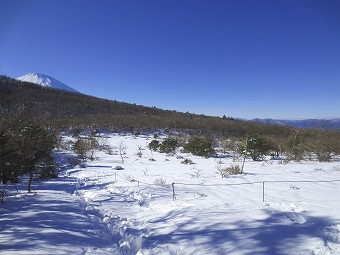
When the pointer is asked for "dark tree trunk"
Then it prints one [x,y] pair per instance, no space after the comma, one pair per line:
[30,182]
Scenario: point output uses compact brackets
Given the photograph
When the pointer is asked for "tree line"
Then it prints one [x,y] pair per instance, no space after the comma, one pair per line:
[78,111]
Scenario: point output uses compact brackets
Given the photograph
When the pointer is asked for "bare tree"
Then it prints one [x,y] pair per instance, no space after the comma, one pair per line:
[244,149]
[122,150]
[296,145]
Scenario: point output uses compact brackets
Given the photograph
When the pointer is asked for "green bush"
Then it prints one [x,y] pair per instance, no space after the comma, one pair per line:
[255,147]
[154,145]
[199,146]
[169,145]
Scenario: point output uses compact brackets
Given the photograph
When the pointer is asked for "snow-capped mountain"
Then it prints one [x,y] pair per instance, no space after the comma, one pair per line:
[45,81]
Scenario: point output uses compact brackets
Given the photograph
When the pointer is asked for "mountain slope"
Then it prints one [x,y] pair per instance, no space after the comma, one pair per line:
[330,124]
[45,81]
[64,108]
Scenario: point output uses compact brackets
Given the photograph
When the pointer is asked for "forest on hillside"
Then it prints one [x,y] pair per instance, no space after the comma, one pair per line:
[76,110]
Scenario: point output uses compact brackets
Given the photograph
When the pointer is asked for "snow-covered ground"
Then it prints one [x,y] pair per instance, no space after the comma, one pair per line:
[96,209]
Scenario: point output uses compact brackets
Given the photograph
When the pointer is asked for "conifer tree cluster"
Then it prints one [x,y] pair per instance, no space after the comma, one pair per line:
[26,147]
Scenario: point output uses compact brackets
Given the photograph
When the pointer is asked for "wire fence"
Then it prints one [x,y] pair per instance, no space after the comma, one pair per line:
[175,184]
[173,187]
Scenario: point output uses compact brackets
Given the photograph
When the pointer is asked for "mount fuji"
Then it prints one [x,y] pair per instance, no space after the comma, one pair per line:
[45,81]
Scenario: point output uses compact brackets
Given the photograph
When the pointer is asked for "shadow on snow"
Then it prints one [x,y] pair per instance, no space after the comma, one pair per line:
[34,224]
[274,235]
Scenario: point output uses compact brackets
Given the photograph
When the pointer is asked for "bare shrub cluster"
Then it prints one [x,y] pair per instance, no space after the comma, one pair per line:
[225,172]
[160,182]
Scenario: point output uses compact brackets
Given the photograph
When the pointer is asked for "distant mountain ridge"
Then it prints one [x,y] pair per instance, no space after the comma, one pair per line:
[331,124]
[45,81]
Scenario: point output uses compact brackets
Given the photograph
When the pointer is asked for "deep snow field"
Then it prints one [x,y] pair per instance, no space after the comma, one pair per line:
[96,209]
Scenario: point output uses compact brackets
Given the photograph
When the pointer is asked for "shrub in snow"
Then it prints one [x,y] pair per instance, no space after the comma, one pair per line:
[160,182]
[154,145]
[169,146]
[200,194]
[86,147]
[199,146]
[104,145]
[234,169]
[81,147]
[255,147]
[197,174]
[64,145]
[227,171]
[140,152]
[324,156]
[187,161]
[2,195]
[130,178]
[118,168]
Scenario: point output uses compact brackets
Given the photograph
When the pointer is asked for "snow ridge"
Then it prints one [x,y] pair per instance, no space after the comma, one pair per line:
[45,81]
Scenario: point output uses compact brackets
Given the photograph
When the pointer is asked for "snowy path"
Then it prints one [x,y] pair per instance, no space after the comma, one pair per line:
[52,221]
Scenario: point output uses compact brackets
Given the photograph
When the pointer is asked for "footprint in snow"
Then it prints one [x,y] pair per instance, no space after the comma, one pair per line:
[296,217]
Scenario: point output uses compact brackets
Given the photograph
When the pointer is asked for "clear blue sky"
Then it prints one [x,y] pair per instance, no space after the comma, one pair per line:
[241,58]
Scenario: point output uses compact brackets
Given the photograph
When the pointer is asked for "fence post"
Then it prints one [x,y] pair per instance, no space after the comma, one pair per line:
[138,184]
[262,191]
[115,176]
[173,192]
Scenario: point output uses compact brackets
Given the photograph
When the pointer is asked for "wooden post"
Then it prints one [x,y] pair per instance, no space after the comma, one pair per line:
[173,192]
[262,191]
[138,184]
[115,176]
